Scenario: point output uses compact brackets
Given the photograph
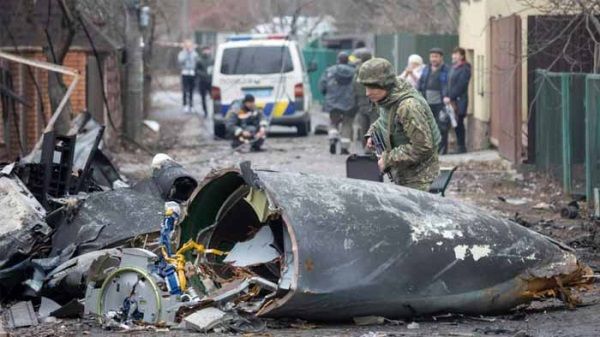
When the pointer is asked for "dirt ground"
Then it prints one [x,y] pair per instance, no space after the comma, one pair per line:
[483,179]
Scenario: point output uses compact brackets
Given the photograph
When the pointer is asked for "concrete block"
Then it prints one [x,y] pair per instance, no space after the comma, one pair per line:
[206,319]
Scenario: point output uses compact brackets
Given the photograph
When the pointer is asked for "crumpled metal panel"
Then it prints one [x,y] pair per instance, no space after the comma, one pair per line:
[107,219]
[364,248]
[171,181]
[22,224]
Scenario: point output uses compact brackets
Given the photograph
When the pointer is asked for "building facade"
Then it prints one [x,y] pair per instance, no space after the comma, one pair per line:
[494,33]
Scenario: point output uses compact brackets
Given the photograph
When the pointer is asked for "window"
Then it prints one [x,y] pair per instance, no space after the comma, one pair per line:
[256,60]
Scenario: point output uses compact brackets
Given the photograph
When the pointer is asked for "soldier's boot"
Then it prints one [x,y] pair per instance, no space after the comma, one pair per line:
[345,146]
[334,138]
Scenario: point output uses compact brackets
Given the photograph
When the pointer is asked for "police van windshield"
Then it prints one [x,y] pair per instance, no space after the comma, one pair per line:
[256,60]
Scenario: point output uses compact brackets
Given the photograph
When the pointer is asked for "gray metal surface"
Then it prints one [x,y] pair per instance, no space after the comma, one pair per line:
[107,219]
[133,279]
[368,248]
[21,315]
[354,248]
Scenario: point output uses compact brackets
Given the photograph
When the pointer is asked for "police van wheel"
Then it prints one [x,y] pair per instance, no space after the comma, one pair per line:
[304,128]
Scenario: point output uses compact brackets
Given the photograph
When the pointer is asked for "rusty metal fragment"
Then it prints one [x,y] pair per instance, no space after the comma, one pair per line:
[351,248]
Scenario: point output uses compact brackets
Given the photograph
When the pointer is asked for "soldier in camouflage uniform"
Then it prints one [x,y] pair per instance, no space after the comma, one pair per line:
[406,124]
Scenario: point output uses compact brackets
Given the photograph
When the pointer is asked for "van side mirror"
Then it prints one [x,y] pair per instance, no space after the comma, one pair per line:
[312,67]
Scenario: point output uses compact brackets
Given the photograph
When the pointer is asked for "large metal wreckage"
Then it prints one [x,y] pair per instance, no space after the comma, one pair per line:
[66,212]
[258,243]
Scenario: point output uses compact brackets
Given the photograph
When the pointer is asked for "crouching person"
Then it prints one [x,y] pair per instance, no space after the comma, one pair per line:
[247,125]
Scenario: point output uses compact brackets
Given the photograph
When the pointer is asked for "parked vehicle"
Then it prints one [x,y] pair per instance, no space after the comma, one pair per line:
[269,67]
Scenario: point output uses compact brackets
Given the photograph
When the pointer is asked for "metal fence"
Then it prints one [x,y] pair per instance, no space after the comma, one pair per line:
[567,140]
[592,132]
[397,47]
[323,58]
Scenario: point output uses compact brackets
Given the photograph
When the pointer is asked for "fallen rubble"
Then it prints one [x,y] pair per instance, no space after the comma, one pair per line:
[64,202]
[253,244]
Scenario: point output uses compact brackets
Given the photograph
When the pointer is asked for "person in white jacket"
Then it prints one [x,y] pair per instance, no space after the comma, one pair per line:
[187,59]
[413,70]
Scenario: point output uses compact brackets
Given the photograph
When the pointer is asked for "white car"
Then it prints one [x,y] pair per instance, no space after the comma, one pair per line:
[272,69]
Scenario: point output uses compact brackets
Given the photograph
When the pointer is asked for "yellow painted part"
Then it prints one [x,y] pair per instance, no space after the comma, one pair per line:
[279,108]
[259,202]
[178,259]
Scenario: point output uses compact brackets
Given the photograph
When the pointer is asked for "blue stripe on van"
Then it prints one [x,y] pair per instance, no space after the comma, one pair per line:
[289,110]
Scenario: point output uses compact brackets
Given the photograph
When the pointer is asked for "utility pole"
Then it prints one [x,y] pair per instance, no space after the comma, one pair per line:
[185,19]
[134,103]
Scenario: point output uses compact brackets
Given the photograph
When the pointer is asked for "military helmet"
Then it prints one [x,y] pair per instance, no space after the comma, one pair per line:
[342,57]
[377,72]
[363,54]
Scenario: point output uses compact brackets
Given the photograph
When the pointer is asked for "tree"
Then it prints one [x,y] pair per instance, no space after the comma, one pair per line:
[576,33]
[56,50]
[351,16]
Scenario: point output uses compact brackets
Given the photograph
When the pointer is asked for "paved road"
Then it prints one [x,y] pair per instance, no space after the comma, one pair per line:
[188,138]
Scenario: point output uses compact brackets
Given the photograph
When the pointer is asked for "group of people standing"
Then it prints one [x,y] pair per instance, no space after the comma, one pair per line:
[446,91]
[444,88]
[195,69]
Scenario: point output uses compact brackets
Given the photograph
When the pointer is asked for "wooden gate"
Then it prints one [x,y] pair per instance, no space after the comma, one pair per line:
[505,86]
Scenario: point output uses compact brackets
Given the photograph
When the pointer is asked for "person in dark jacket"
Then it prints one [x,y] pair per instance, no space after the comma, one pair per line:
[458,88]
[247,125]
[203,71]
[433,85]
[336,85]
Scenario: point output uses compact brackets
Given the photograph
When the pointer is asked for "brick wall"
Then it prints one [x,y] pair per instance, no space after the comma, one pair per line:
[31,120]
[77,60]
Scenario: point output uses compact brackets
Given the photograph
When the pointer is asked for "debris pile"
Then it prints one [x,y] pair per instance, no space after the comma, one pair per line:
[66,212]
[249,244]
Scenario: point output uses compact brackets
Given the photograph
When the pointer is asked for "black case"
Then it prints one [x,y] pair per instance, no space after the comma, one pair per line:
[363,166]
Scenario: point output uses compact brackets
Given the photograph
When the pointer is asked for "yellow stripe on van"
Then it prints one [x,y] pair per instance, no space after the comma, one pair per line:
[279,108]
[260,104]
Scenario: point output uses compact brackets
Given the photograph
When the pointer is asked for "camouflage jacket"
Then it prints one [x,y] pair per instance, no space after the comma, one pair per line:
[411,137]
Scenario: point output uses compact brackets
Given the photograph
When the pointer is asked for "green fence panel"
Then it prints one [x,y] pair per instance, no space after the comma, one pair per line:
[385,47]
[323,58]
[398,47]
[567,145]
[548,142]
[425,42]
[575,147]
[592,135]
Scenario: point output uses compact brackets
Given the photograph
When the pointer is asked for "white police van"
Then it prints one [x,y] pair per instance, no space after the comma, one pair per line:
[272,69]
